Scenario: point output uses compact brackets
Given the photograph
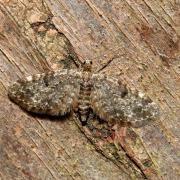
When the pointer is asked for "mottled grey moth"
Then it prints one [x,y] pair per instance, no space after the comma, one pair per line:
[81,91]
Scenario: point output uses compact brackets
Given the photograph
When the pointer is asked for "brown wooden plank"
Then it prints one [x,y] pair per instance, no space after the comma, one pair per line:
[143,38]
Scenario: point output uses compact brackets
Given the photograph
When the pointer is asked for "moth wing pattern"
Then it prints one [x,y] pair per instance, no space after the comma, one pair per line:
[113,102]
[53,93]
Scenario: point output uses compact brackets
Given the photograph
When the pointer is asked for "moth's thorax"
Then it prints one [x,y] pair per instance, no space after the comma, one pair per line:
[86,76]
[87,66]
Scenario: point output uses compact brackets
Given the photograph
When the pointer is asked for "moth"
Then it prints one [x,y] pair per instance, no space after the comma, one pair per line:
[81,91]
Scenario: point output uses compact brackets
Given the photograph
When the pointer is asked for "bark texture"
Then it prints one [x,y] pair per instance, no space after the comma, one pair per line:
[136,41]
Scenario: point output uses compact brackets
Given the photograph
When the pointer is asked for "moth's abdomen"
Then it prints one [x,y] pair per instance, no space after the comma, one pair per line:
[84,100]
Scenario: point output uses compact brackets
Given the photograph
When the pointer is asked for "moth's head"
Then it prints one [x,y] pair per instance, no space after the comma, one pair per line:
[87,65]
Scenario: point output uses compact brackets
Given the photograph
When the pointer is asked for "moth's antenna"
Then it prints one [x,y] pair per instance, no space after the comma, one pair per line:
[77,62]
[74,56]
[107,63]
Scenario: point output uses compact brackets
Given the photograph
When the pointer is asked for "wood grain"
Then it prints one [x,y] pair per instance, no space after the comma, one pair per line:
[136,41]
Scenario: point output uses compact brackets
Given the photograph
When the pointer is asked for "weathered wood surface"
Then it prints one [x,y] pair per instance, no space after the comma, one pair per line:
[35,36]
